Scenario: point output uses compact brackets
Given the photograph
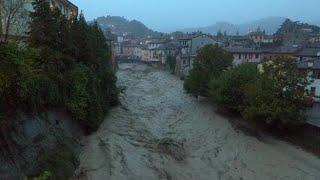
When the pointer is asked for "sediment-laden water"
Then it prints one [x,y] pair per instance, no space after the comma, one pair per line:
[159,132]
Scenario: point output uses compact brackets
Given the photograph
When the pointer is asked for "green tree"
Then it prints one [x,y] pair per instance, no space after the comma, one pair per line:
[210,62]
[228,89]
[275,98]
[80,33]
[43,27]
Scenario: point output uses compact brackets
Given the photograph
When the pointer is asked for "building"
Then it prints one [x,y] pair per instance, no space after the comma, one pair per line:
[242,54]
[260,37]
[238,40]
[192,44]
[312,69]
[189,47]
[18,27]
[67,8]
[308,53]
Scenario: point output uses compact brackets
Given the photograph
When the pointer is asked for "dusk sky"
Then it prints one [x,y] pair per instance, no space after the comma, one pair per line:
[168,15]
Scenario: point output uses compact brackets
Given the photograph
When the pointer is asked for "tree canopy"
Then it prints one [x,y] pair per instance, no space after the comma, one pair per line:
[211,61]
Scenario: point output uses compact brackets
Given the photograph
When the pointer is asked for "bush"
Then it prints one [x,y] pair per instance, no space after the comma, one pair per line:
[37,92]
[78,102]
[91,95]
[211,61]
[228,89]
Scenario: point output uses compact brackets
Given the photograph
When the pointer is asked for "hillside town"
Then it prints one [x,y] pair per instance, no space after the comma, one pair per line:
[109,98]
[253,47]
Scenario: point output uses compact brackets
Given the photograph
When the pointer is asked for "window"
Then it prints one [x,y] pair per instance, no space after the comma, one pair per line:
[250,56]
[257,56]
[240,56]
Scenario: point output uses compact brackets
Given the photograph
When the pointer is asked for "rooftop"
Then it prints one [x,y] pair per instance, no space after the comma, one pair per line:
[315,64]
[243,50]
[310,52]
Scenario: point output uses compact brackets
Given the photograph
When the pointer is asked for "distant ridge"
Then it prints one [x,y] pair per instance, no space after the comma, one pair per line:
[270,25]
[120,25]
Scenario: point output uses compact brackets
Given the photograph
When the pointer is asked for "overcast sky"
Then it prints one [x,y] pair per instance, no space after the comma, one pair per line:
[168,15]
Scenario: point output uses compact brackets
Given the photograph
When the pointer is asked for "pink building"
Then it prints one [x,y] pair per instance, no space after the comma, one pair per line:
[241,55]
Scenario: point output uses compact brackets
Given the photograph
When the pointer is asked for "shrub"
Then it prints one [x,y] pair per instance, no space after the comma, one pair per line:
[78,102]
[38,91]
[228,89]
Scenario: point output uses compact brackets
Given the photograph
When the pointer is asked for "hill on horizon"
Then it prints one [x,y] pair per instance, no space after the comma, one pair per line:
[120,25]
[270,25]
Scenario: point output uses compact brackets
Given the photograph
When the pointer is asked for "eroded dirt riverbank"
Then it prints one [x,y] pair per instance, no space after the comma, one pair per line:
[159,132]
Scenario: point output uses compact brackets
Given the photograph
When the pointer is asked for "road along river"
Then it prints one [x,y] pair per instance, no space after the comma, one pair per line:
[159,132]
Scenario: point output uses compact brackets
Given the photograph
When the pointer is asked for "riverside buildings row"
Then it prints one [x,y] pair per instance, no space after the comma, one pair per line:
[253,47]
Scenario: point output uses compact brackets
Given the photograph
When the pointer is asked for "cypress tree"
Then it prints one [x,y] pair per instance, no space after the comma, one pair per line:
[40,27]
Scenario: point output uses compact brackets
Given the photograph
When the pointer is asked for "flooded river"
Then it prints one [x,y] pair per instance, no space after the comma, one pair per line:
[159,132]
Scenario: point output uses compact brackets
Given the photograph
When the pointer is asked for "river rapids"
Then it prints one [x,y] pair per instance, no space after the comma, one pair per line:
[159,132]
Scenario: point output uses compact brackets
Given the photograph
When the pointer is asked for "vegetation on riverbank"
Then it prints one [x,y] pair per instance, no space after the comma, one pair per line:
[271,93]
[65,64]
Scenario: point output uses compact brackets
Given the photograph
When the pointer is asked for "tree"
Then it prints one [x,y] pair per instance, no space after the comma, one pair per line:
[210,62]
[275,98]
[13,18]
[81,40]
[43,27]
[228,89]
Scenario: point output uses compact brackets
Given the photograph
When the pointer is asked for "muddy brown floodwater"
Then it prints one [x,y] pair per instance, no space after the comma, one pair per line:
[159,132]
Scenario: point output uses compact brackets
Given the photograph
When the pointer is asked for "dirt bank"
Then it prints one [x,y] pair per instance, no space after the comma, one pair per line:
[159,132]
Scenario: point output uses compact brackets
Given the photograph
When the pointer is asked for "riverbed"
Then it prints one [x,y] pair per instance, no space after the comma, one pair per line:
[159,132]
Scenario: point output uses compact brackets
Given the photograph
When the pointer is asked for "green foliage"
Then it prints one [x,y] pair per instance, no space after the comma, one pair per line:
[292,32]
[67,64]
[228,89]
[78,103]
[210,62]
[37,91]
[60,163]
[44,176]
[275,97]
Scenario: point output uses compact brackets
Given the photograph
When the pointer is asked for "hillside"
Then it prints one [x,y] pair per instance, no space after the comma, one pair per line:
[120,26]
[270,25]
[293,32]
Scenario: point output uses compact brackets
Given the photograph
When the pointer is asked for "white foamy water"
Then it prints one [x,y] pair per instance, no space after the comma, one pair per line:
[155,108]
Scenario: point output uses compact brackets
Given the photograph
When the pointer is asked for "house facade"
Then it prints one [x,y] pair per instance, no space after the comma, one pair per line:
[260,37]
[312,69]
[242,55]
[19,25]
[189,47]
[309,53]
[67,8]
